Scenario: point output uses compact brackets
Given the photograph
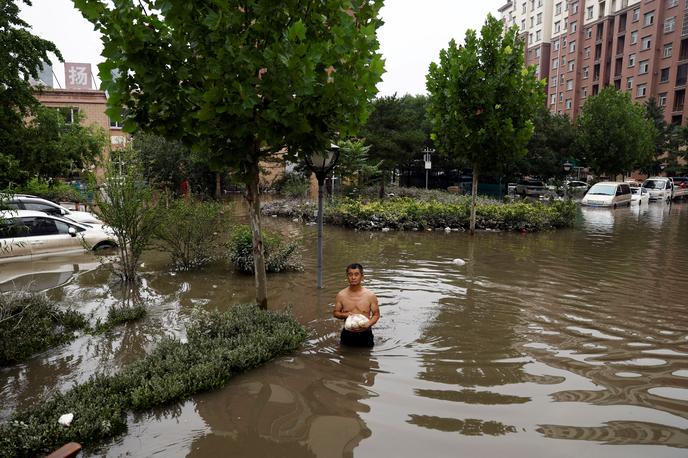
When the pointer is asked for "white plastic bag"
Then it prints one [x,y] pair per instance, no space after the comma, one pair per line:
[355,322]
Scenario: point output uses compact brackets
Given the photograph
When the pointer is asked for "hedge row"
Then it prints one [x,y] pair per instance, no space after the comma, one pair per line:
[403,213]
[219,346]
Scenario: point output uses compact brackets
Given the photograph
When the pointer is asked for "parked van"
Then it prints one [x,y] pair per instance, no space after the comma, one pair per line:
[660,188]
[608,194]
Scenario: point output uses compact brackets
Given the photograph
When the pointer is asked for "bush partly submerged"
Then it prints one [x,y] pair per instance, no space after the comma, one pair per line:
[280,255]
[404,213]
[30,323]
[220,345]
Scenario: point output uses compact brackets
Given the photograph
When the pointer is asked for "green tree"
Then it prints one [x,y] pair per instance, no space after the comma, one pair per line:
[22,54]
[667,141]
[549,147]
[51,147]
[483,99]
[612,134]
[397,130]
[241,80]
[354,163]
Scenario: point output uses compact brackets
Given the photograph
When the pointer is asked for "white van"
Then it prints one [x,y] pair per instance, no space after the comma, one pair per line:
[608,194]
[660,188]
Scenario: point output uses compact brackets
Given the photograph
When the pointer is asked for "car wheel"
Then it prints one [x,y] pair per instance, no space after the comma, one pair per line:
[104,246]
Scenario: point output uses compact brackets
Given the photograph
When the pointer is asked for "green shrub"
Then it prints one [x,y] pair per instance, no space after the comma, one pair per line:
[280,256]
[292,185]
[190,231]
[30,323]
[54,190]
[120,314]
[220,345]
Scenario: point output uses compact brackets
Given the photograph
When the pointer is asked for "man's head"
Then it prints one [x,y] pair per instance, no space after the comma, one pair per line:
[354,274]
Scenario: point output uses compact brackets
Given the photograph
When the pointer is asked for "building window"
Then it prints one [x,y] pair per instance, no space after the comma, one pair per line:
[538,35]
[561,96]
[629,82]
[539,3]
[649,18]
[668,49]
[662,99]
[586,72]
[574,26]
[539,18]
[115,124]
[644,67]
[532,21]
[574,7]
[634,37]
[555,63]
[588,32]
[641,91]
[568,104]
[523,8]
[672,3]
[556,45]
[664,75]
[631,60]
[647,42]
[557,27]
[584,92]
[670,24]
[70,114]
[586,52]
[571,65]
[569,85]
[538,52]
[589,12]
[523,25]
[530,38]
[572,46]
[557,8]
[553,81]
[553,99]
[636,14]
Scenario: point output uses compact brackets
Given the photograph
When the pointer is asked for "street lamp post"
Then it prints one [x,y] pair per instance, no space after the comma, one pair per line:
[427,158]
[321,163]
[567,168]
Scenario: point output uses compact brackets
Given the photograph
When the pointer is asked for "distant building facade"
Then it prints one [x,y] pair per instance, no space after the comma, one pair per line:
[581,46]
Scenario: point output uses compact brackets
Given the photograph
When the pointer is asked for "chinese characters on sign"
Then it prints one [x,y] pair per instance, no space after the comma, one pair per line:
[78,76]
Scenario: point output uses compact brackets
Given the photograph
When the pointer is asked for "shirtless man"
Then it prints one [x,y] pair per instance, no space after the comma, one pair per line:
[357,299]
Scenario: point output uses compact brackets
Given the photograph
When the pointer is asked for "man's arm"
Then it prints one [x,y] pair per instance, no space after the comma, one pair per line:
[339,308]
[374,310]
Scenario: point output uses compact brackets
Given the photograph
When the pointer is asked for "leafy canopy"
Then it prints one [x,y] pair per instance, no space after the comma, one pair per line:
[613,135]
[240,80]
[483,99]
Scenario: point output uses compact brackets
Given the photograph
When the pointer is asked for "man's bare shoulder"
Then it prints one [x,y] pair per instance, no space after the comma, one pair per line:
[343,293]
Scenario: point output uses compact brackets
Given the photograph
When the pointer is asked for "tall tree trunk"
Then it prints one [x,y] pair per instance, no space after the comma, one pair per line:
[218,186]
[474,195]
[253,200]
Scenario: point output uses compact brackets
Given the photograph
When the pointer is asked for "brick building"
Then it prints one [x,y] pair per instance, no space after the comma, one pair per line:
[581,46]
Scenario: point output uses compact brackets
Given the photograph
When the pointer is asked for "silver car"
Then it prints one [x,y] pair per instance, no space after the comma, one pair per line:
[28,202]
[25,234]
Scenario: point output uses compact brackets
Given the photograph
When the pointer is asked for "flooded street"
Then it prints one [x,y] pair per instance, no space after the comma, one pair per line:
[558,344]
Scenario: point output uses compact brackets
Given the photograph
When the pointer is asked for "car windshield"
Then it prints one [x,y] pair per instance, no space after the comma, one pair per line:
[653,184]
[603,190]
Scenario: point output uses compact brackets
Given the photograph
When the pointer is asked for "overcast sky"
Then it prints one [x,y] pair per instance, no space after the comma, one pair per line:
[412,37]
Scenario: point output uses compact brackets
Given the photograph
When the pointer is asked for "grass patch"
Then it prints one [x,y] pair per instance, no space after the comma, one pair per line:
[220,345]
[31,323]
[120,314]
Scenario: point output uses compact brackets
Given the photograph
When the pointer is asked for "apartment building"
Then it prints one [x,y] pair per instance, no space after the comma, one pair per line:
[582,46]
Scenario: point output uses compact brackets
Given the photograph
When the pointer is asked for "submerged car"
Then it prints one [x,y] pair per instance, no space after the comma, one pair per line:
[25,234]
[639,196]
[531,188]
[660,188]
[28,202]
[608,194]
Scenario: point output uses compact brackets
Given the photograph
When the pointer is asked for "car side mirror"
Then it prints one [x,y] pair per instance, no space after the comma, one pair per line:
[72,231]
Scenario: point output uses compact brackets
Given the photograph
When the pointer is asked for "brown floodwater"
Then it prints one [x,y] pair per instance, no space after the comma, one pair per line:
[558,344]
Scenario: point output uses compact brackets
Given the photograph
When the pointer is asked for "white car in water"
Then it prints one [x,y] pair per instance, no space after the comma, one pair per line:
[28,202]
[660,188]
[26,234]
[639,196]
[608,194]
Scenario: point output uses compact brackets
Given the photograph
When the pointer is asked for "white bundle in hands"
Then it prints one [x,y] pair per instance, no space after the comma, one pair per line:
[355,322]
